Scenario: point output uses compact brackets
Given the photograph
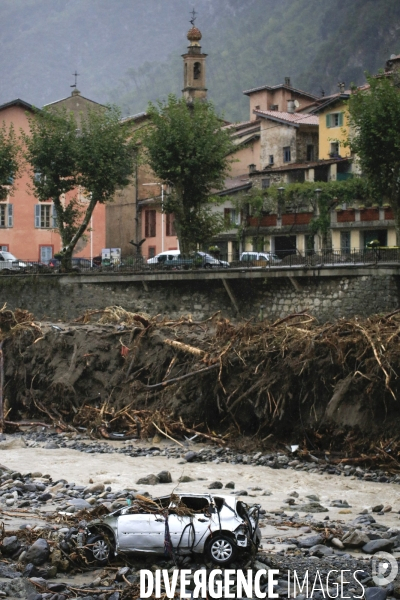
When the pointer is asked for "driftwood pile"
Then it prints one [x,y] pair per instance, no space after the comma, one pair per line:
[116,373]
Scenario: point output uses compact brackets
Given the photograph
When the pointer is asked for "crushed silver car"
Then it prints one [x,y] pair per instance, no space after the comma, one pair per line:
[181,524]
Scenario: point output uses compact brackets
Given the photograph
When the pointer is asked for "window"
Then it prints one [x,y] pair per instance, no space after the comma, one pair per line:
[45,216]
[310,152]
[196,70]
[6,215]
[265,183]
[286,154]
[345,241]
[150,223]
[170,225]
[231,217]
[271,159]
[45,254]
[334,119]
[334,149]
[152,251]
[4,248]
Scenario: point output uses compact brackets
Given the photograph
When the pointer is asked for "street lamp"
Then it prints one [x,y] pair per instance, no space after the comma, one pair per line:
[162,210]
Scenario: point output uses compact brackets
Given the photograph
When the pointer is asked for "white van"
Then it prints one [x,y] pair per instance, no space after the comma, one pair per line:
[259,259]
[169,255]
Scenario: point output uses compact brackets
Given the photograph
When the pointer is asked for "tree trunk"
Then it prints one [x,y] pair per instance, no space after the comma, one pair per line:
[69,248]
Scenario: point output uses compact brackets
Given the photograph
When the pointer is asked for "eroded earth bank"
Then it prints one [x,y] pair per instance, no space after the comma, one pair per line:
[297,417]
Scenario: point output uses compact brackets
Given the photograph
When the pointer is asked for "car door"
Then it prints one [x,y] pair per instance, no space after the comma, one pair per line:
[141,532]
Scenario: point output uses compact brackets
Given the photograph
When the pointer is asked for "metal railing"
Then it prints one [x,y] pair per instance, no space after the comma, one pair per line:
[135,264]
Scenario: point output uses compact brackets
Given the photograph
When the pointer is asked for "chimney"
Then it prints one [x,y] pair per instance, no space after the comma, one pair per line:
[341,87]
[290,106]
[287,81]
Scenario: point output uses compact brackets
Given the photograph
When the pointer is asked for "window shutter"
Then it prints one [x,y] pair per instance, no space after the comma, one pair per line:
[10,216]
[53,217]
[341,119]
[328,120]
[37,215]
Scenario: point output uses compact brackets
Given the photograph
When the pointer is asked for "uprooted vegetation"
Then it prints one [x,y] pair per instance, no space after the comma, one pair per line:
[113,371]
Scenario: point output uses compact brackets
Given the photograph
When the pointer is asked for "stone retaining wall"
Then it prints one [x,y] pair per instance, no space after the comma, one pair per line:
[326,298]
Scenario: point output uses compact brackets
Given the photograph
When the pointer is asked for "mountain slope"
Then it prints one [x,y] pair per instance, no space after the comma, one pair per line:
[129,51]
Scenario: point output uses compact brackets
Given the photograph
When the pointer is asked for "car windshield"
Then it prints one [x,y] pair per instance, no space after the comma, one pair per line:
[8,256]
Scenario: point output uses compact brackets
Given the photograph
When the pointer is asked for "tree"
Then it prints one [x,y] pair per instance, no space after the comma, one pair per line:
[9,159]
[375,139]
[93,157]
[187,148]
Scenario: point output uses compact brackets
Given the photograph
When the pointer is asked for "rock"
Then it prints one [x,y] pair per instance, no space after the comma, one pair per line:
[78,503]
[310,541]
[396,589]
[38,553]
[337,543]
[320,550]
[375,593]
[312,507]
[387,508]
[164,477]
[190,456]
[148,480]
[123,572]
[377,545]
[294,494]
[95,487]
[377,509]
[313,497]
[289,501]
[44,497]
[215,485]
[185,479]
[355,539]
[230,485]
[10,545]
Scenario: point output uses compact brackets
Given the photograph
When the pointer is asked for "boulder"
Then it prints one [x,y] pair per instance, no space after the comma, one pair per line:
[164,477]
[38,553]
[375,593]
[190,456]
[215,485]
[377,545]
[10,545]
[310,541]
[355,539]
[148,480]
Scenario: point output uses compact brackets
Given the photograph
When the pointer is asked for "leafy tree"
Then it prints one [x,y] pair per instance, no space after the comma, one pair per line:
[9,159]
[375,139]
[93,156]
[187,148]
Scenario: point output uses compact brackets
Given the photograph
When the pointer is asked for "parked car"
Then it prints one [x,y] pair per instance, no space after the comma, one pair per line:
[219,526]
[77,264]
[259,259]
[210,261]
[173,259]
[8,262]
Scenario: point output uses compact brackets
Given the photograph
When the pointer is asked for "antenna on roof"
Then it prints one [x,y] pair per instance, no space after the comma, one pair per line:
[76,79]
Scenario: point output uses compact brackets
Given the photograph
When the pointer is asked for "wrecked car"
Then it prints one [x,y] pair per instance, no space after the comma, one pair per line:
[218,526]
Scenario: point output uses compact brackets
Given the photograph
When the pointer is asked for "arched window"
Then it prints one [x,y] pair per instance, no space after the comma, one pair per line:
[196,70]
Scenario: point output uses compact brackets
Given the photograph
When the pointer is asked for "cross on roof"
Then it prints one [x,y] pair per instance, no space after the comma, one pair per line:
[193,19]
[76,79]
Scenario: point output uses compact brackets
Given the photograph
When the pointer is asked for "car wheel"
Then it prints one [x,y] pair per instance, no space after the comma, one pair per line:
[221,549]
[99,549]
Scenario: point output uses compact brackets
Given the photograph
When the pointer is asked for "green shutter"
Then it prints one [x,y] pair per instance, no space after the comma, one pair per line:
[340,119]
[328,120]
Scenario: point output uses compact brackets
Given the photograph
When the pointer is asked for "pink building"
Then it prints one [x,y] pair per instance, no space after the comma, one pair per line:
[27,226]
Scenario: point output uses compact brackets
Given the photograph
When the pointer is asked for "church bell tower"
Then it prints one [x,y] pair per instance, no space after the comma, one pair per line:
[194,68]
